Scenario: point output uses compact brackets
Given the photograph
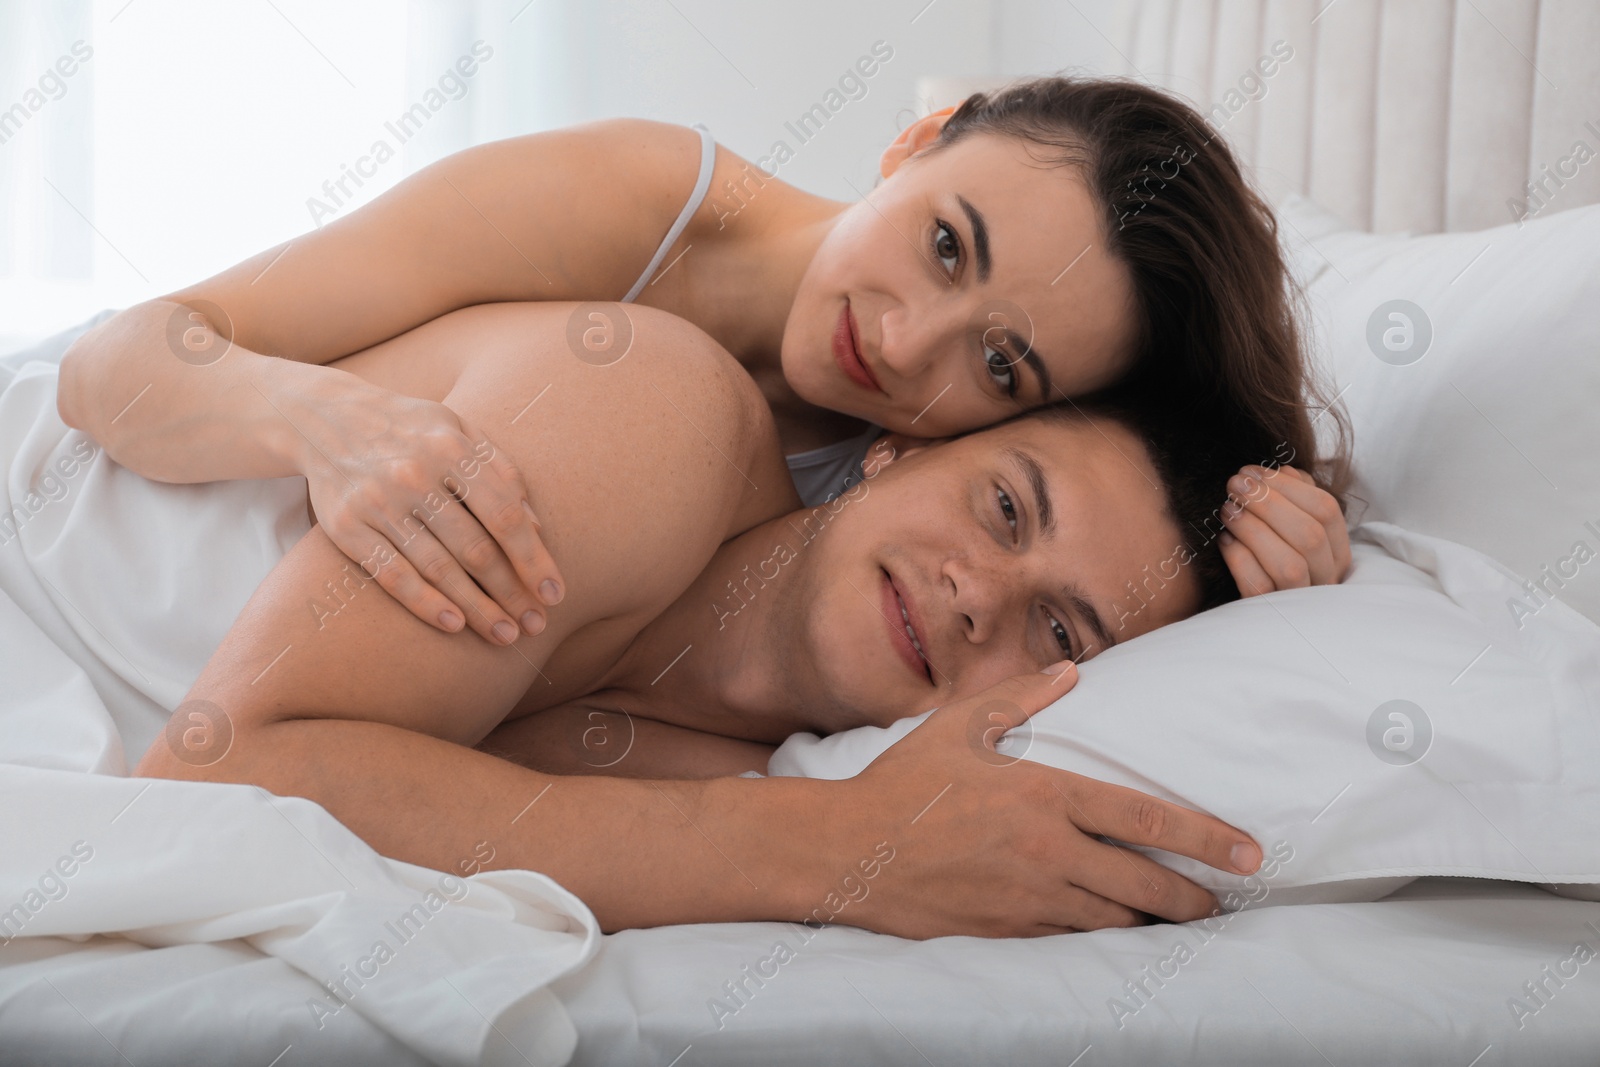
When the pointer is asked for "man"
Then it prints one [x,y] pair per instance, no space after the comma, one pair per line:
[966,569]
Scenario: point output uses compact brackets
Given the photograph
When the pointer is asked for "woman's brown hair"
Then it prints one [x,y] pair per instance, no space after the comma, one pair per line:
[1218,313]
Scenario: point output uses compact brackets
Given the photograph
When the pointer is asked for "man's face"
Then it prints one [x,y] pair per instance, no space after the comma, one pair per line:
[998,553]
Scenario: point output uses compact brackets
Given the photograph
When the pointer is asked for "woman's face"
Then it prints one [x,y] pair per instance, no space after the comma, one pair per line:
[971,283]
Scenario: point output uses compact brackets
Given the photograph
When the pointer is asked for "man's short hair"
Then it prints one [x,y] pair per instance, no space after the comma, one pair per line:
[1193,464]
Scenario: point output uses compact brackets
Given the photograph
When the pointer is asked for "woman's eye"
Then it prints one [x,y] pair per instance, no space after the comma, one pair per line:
[946,246]
[1001,370]
[1007,509]
[1063,638]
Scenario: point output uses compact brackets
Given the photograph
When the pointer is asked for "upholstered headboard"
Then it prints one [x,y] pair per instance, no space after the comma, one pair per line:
[1419,115]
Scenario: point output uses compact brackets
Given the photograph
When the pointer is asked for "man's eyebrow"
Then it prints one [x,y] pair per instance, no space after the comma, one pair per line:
[1086,611]
[980,252]
[1037,483]
[1075,597]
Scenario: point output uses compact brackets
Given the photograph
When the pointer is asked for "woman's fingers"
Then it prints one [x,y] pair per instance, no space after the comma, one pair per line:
[499,499]
[1293,529]
[460,548]
[1289,566]
[1324,508]
[380,560]
[425,568]
[1245,568]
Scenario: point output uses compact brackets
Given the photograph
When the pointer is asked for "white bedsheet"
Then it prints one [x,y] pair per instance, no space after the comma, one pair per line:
[226,908]
[1423,979]
[100,637]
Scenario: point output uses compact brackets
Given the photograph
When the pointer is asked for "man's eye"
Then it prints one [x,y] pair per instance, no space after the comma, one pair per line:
[946,246]
[1063,638]
[1008,510]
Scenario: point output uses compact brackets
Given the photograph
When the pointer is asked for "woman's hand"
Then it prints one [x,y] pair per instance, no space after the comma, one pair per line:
[1283,532]
[988,844]
[409,489]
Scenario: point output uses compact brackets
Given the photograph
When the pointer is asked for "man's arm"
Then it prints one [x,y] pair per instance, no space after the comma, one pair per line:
[367,710]
[587,738]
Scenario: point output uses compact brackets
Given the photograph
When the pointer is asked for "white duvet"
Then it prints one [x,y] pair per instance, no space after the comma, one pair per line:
[101,634]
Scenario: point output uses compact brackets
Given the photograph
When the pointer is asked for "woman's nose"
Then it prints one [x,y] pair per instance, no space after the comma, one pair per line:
[915,341]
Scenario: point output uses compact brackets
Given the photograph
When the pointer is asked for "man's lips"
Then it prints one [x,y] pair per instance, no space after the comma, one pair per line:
[847,351]
[899,618]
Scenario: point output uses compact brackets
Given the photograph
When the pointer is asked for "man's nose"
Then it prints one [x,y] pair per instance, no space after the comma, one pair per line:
[987,589]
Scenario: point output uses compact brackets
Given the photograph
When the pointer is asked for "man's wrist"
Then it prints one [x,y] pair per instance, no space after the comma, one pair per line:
[791,830]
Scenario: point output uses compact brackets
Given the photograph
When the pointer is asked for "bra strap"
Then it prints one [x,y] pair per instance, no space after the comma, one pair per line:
[708,159]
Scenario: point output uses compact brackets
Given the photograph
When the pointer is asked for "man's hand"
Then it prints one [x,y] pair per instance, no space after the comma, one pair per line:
[989,844]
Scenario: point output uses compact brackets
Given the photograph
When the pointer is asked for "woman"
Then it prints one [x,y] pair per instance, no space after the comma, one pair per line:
[1056,238]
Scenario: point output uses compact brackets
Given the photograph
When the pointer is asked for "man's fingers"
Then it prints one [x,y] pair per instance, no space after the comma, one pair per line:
[1086,910]
[1140,884]
[1140,819]
[1019,698]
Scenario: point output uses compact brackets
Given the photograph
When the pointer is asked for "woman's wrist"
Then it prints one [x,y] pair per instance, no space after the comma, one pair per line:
[290,397]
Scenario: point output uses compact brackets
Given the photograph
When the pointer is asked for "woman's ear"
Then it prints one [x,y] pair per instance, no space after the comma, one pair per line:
[892,446]
[913,139]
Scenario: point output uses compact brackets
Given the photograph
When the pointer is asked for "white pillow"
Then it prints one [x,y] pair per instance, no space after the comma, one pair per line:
[1480,420]
[1273,714]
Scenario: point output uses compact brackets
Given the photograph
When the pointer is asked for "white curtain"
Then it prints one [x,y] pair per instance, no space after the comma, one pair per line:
[195,133]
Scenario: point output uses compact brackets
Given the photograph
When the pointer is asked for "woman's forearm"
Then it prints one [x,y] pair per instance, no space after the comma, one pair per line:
[169,397]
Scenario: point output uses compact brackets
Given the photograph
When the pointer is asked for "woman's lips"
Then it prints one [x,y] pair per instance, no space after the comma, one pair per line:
[847,352]
[897,631]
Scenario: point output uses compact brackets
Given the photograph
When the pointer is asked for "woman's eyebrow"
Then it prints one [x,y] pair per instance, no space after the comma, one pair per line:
[980,253]
[980,237]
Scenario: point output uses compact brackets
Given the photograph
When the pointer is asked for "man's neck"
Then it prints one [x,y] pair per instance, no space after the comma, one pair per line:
[716,659]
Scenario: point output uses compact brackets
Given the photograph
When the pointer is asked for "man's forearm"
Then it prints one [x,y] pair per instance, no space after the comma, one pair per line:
[170,398]
[639,853]
[578,739]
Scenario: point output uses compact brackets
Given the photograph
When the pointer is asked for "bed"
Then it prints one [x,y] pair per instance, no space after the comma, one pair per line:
[239,929]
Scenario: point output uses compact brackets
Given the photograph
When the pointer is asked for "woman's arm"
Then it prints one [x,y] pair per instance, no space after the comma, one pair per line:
[189,387]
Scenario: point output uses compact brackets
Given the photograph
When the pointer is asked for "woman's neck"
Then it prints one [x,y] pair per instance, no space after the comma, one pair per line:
[739,284]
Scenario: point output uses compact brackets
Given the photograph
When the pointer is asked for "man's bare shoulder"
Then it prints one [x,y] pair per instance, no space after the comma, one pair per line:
[638,433]
[638,467]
